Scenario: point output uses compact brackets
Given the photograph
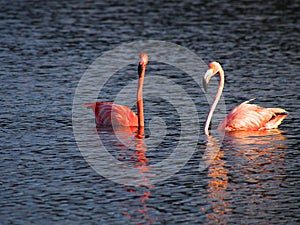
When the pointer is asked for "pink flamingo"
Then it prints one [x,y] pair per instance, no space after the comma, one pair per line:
[244,116]
[108,114]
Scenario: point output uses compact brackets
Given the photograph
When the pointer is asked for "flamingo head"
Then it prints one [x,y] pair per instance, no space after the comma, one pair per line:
[142,64]
[214,68]
[143,59]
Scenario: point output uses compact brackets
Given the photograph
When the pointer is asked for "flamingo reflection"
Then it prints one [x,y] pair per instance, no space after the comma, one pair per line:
[241,167]
[218,183]
[257,145]
[132,150]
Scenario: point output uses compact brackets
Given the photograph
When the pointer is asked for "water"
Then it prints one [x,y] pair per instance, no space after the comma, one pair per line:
[47,47]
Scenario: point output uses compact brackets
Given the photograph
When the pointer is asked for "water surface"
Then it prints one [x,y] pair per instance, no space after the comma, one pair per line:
[47,47]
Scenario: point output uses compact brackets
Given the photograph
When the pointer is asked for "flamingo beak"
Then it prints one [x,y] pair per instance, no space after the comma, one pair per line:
[206,78]
[140,70]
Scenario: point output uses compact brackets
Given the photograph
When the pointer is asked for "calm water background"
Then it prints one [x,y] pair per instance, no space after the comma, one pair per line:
[47,46]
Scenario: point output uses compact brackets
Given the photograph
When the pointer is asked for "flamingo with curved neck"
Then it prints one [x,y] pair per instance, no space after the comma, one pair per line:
[108,114]
[244,116]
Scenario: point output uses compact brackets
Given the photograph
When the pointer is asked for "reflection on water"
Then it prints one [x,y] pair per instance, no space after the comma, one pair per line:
[257,148]
[256,137]
[217,193]
[131,149]
[245,170]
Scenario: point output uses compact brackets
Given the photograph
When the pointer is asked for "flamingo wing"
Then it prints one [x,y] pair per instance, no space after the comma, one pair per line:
[109,114]
[252,117]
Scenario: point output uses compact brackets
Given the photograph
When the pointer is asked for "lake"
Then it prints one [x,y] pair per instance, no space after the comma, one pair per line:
[57,168]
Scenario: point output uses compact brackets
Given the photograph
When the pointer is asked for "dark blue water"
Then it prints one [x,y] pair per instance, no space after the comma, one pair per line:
[46,47]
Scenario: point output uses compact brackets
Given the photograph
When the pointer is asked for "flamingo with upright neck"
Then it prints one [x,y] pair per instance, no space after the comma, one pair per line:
[109,114]
[244,116]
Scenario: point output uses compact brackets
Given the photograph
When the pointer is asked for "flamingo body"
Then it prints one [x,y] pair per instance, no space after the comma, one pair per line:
[108,114]
[252,117]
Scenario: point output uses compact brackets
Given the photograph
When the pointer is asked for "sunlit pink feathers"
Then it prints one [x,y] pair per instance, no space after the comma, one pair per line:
[110,114]
[244,116]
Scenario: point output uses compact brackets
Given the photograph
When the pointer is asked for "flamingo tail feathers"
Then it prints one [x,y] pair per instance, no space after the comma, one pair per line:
[278,116]
[90,105]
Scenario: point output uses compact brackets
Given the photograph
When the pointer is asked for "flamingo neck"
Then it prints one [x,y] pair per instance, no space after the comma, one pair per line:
[139,97]
[215,102]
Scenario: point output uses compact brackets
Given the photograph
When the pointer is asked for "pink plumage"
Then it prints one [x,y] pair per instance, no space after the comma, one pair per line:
[109,114]
[244,116]
[252,117]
